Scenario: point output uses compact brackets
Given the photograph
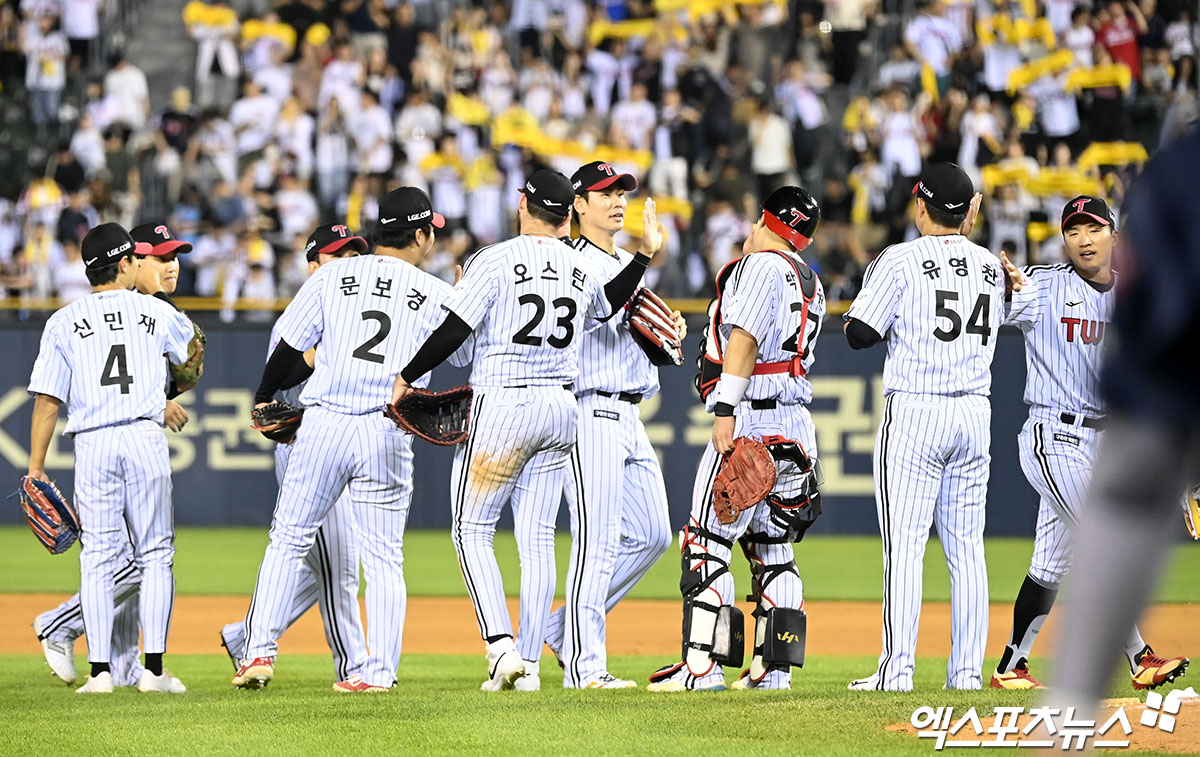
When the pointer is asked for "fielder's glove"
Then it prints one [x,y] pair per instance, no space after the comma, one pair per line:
[438,417]
[187,374]
[746,477]
[653,327]
[277,421]
[1191,511]
[50,515]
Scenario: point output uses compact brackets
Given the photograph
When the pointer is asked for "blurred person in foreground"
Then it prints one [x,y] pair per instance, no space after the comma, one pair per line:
[1151,447]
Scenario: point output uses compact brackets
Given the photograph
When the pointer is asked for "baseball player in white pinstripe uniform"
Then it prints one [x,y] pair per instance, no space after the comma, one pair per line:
[759,348]
[614,487]
[57,629]
[938,301]
[1064,315]
[329,577]
[103,356]
[366,316]
[527,301]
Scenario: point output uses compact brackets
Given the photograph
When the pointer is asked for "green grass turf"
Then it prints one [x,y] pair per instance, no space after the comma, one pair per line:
[225,561]
[438,708]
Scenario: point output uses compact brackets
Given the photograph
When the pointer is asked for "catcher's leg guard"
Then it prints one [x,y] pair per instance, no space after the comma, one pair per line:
[712,633]
[784,637]
[772,614]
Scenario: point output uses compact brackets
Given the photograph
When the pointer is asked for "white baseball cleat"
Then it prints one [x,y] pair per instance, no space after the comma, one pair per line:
[870,683]
[531,681]
[505,666]
[163,684]
[60,655]
[101,684]
[772,680]
[678,677]
[608,681]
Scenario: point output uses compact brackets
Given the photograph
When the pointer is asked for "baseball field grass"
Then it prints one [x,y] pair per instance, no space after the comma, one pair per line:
[437,707]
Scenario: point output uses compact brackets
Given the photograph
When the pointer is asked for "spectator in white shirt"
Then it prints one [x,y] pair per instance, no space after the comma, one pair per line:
[81,22]
[87,145]
[127,83]
[770,149]
[45,49]
[900,70]
[1080,38]
[332,158]
[296,207]
[372,132]
[342,78]
[294,135]
[933,40]
[215,48]
[418,125]
[253,119]
[635,118]
[979,128]
[70,278]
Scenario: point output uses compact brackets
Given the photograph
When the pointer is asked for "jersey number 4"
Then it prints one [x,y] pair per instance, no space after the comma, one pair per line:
[979,322]
[564,321]
[116,369]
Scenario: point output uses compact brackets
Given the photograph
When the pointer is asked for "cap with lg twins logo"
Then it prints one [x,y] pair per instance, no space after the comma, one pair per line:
[793,214]
[598,175]
[549,190]
[332,238]
[946,187]
[107,243]
[1091,207]
[408,208]
[160,238]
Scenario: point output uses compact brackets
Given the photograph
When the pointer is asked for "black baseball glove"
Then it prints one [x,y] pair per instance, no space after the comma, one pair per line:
[438,417]
[277,421]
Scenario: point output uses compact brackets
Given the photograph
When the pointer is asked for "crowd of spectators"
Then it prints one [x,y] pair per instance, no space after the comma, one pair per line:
[303,111]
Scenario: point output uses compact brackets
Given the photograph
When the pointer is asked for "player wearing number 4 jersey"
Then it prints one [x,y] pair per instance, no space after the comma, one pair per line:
[366,316]
[103,356]
[526,300]
[938,302]
[1064,316]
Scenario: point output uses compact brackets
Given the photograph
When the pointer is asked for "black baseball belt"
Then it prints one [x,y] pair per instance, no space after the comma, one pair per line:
[1094,423]
[630,397]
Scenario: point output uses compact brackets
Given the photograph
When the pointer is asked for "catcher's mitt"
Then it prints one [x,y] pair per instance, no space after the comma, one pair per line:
[277,421]
[187,374]
[438,417]
[746,477]
[653,327]
[50,515]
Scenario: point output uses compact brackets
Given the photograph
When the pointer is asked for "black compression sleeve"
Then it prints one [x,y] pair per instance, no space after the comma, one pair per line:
[860,335]
[299,374]
[624,284]
[441,344]
[277,371]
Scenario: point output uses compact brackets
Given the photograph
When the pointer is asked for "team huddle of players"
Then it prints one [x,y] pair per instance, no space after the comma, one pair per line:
[557,380]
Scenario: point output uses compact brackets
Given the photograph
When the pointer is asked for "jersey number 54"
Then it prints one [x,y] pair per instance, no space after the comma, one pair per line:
[979,322]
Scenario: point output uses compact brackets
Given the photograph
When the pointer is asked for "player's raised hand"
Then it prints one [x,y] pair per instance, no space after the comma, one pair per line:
[652,230]
[680,324]
[400,389]
[722,437]
[175,416]
[457,274]
[1013,278]
[972,215]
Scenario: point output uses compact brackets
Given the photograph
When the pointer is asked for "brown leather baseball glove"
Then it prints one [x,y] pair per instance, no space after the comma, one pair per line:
[652,324]
[746,477]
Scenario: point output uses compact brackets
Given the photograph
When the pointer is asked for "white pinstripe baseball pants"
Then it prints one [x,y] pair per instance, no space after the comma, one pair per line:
[329,579]
[372,459]
[932,458]
[619,528]
[123,492]
[516,453]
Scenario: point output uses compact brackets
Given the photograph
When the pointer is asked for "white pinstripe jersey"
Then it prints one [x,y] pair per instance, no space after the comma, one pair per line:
[763,297]
[527,300]
[369,315]
[1063,319]
[938,302]
[609,358]
[103,356]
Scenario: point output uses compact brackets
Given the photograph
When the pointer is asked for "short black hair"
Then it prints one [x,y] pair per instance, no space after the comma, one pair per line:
[397,238]
[106,274]
[545,216]
[943,218]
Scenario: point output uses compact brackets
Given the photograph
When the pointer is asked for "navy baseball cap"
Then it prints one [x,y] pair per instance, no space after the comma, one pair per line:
[408,208]
[1091,207]
[599,175]
[549,190]
[946,187]
[107,243]
[160,239]
[330,238]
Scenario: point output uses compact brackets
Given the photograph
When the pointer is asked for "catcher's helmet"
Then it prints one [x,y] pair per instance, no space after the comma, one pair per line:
[792,213]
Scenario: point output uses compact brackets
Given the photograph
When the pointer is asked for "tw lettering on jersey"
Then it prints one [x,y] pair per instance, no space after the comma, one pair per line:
[367,316]
[763,297]
[103,356]
[938,302]
[1064,320]
[609,358]
[528,300]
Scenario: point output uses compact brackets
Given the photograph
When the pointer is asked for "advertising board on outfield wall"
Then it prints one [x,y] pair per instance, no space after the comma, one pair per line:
[224,471]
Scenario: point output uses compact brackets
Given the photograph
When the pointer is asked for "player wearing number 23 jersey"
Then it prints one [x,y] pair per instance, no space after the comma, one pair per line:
[937,301]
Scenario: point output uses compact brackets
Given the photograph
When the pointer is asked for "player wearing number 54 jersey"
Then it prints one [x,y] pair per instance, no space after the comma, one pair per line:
[103,356]
[526,300]
[938,302]
[366,316]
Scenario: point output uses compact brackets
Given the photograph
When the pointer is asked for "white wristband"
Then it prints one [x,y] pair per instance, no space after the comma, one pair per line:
[730,389]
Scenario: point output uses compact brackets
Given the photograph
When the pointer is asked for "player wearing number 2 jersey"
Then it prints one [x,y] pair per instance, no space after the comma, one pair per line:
[526,300]
[938,302]
[366,316]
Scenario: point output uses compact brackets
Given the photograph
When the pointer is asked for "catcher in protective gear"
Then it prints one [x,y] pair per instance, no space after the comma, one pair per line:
[655,328]
[438,417]
[278,421]
[50,515]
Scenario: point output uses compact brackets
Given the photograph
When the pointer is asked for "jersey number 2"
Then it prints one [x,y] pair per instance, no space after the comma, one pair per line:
[363,351]
[525,335]
[116,369]
[979,321]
